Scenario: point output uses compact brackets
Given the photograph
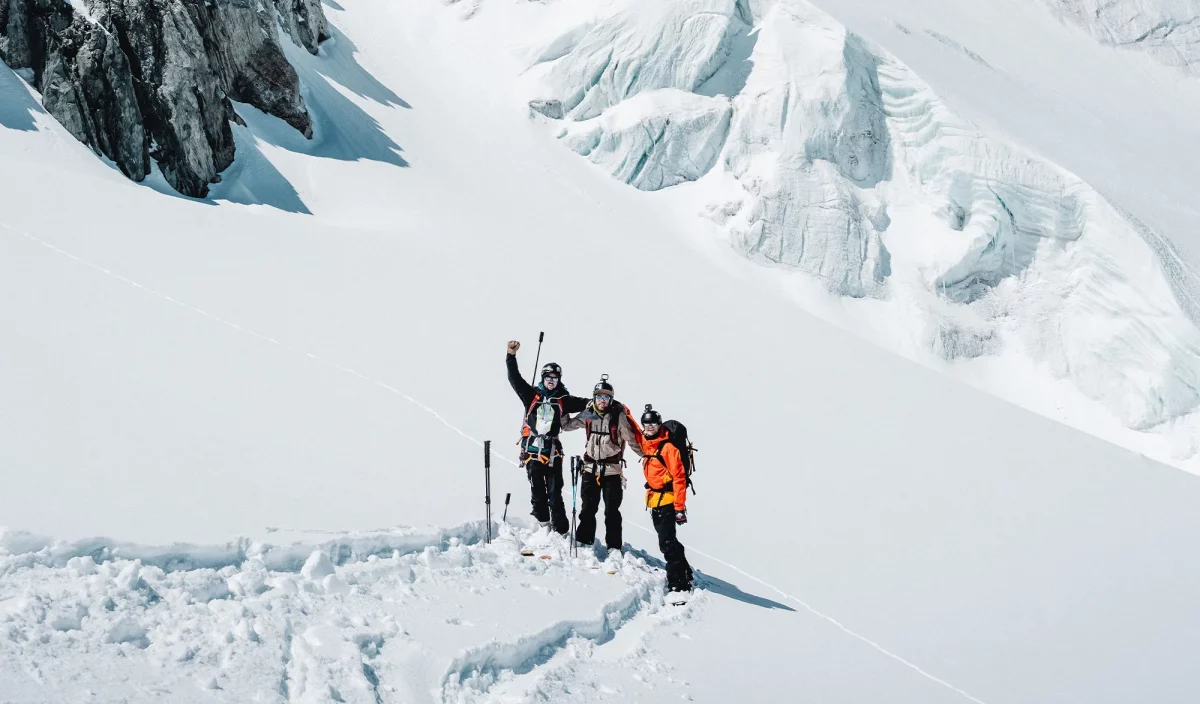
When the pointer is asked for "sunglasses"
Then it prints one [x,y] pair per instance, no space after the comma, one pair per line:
[603,397]
[550,378]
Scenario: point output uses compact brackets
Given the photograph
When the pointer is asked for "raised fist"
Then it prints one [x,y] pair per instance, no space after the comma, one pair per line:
[513,346]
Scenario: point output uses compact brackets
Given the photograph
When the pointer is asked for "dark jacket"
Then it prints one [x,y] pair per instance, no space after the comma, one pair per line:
[557,404]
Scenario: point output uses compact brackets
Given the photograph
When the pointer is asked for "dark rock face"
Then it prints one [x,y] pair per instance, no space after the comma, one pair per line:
[154,78]
[83,75]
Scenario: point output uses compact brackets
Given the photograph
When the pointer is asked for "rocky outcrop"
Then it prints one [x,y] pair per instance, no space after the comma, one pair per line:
[141,79]
[84,77]
[305,21]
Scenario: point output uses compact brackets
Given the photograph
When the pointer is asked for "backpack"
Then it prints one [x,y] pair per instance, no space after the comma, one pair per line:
[678,437]
[533,442]
[614,427]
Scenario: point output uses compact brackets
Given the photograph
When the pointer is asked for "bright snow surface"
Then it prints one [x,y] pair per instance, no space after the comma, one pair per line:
[182,371]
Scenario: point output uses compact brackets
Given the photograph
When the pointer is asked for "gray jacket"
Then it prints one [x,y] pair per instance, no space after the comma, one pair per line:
[604,442]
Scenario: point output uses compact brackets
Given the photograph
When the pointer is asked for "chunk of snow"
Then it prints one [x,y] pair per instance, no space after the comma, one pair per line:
[84,565]
[334,585]
[127,630]
[317,566]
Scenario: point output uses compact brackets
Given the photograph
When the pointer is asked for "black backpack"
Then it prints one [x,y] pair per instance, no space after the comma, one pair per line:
[679,438]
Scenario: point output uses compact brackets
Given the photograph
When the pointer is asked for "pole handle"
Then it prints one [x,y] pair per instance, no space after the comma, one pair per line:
[538,358]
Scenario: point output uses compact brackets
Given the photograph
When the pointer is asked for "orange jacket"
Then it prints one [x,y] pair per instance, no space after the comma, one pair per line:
[665,479]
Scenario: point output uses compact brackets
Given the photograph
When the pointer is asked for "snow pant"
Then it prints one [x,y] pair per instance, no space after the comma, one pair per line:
[545,491]
[679,572]
[590,492]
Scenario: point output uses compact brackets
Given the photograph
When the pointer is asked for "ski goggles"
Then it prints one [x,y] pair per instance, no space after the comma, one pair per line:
[549,378]
[607,398]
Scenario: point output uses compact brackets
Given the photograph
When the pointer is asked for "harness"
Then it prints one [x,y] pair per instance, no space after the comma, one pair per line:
[534,444]
[614,427]
[614,434]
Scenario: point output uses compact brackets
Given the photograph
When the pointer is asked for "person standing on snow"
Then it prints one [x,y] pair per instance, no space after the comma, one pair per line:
[666,496]
[547,405]
[610,427]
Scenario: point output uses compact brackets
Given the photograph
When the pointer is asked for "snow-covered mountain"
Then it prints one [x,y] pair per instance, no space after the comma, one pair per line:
[829,156]
[683,195]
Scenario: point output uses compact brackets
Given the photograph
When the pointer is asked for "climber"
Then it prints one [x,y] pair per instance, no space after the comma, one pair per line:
[546,406]
[610,427]
[666,496]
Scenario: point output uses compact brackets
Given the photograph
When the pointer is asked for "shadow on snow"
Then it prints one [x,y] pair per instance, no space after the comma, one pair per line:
[17,106]
[716,585]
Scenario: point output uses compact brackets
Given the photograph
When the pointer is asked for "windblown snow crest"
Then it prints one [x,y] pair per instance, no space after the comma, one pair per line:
[825,154]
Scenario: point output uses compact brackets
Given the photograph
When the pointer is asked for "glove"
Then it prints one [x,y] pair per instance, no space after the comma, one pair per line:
[680,517]
[513,346]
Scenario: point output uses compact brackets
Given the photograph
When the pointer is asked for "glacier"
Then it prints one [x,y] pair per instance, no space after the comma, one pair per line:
[836,153]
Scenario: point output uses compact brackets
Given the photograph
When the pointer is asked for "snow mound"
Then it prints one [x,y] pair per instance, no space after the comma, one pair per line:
[840,162]
[445,619]
[1168,30]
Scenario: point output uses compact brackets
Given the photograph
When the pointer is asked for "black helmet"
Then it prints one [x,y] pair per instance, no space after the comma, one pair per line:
[550,368]
[603,386]
[651,416]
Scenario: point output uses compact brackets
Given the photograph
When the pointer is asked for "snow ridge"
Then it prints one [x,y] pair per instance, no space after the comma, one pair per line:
[475,672]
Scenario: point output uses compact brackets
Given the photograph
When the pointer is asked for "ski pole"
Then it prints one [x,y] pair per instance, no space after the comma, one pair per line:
[487,485]
[575,462]
[538,358]
[507,498]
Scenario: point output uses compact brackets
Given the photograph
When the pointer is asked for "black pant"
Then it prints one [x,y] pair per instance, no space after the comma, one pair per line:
[545,491]
[679,572]
[590,493]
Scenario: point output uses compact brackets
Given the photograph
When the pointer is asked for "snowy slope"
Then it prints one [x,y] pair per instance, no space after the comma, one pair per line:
[308,349]
[1168,30]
